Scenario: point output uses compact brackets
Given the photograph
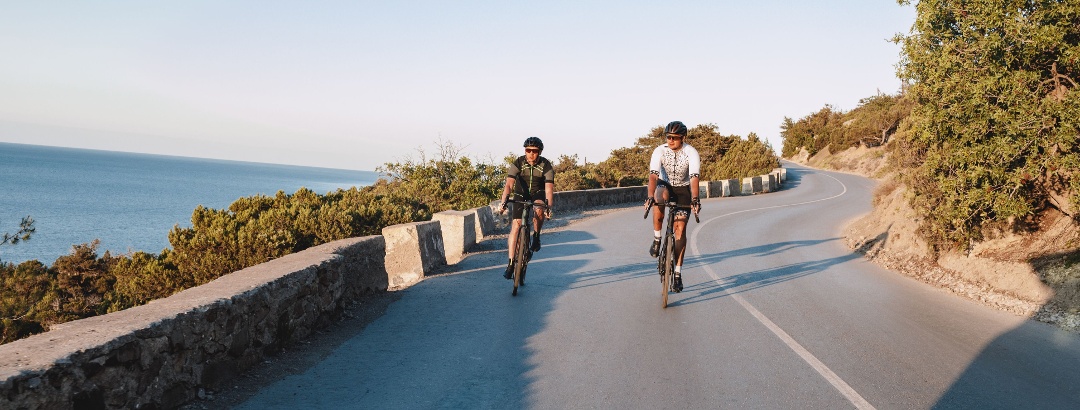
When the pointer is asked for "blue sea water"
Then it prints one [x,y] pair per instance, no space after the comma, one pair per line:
[130,201]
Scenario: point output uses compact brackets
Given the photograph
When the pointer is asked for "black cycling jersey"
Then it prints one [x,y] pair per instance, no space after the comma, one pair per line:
[532,177]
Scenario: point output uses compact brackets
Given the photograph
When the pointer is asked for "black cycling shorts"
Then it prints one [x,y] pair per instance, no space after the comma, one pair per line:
[519,209]
[680,195]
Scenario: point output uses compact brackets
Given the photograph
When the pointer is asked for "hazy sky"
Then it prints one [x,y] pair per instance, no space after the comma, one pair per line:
[355,84]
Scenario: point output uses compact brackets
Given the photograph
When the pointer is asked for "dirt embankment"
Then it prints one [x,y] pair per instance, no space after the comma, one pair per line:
[1035,275]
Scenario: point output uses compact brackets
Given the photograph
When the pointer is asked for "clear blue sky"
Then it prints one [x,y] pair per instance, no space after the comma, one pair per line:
[355,84]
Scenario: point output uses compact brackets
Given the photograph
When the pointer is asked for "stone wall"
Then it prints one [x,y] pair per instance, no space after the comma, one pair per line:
[161,355]
[590,198]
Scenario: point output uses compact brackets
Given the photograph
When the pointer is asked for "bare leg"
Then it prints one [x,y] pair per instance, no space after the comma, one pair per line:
[680,238]
[658,212]
[538,221]
[511,241]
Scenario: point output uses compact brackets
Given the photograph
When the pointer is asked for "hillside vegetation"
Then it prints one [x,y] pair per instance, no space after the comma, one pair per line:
[256,229]
[979,155]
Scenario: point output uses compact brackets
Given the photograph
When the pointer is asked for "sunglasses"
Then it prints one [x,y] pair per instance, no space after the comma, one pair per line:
[532,151]
[674,137]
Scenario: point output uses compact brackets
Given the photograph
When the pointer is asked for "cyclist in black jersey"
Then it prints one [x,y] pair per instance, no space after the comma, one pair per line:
[537,182]
[676,167]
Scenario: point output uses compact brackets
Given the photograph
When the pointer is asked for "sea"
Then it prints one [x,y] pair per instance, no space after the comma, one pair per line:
[130,201]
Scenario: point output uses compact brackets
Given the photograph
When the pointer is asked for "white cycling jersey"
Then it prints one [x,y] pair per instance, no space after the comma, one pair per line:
[675,167]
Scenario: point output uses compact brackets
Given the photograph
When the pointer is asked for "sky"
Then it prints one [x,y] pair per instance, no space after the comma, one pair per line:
[358,84]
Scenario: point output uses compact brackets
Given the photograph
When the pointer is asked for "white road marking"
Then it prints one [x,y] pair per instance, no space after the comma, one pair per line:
[853,396]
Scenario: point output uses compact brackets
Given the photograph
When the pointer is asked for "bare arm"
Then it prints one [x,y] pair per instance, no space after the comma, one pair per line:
[695,189]
[549,193]
[506,191]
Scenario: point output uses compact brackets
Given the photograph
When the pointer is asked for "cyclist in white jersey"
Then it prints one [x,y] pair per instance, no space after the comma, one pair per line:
[674,171]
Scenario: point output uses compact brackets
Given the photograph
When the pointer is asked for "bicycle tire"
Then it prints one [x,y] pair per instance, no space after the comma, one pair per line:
[519,257]
[660,257]
[670,263]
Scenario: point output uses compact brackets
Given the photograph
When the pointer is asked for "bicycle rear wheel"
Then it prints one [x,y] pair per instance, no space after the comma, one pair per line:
[520,258]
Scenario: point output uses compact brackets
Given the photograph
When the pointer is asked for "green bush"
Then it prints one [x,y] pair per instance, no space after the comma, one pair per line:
[994,131]
[870,124]
[743,158]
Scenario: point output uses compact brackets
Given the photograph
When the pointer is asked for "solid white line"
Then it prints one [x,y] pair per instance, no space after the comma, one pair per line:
[853,396]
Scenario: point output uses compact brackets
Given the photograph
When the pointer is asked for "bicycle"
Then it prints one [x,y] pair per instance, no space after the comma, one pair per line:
[523,253]
[665,262]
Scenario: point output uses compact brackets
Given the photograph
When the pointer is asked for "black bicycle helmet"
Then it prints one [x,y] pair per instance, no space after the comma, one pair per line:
[534,142]
[675,127]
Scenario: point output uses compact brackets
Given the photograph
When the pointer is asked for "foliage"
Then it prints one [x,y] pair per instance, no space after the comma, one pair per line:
[26,229]
[743,158]
[570,176]
[447,182]
[870,124]
[995,126]
[26,299]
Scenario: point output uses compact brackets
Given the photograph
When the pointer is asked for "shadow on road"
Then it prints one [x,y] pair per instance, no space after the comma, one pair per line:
[747,281]
[1032,366]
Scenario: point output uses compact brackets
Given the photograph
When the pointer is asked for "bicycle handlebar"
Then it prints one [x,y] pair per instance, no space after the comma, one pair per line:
[673,205]
[514,201]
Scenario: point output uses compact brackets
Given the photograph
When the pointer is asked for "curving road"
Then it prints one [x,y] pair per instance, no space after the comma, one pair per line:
[777,313]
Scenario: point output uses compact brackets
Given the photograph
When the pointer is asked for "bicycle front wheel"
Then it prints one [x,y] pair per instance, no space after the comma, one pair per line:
[669,266]
[520,257]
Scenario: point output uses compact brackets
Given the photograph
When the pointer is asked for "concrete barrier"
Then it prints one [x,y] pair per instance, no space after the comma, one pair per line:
[485,222]
[458,233]
[732,187]
[781,173]
[768,183]
[710,189]
[589,198]
[412,251]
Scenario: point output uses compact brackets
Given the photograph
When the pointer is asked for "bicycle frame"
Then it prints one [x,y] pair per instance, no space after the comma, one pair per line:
[665,261]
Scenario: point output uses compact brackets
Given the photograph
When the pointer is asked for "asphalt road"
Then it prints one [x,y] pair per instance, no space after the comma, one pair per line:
[776,313]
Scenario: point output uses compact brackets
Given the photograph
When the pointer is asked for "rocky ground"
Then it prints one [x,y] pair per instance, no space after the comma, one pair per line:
[1033,275]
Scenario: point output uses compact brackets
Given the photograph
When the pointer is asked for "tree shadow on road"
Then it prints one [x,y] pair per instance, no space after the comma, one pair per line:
[748,281]
[755,279]
[1032,366]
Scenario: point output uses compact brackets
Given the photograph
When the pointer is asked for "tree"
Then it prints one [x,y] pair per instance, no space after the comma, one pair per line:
[875,119]
[26,228]
[814,132]
[447,181]
[997,114]
[744,158]
[26,297]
